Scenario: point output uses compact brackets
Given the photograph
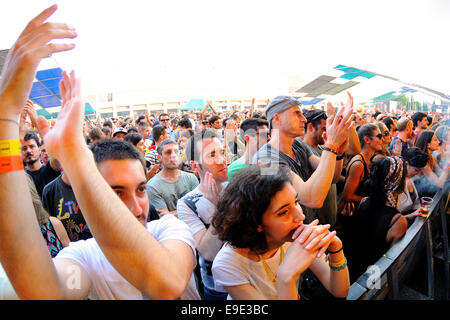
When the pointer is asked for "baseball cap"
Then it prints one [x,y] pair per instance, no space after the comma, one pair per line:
[119,130]
[278,105]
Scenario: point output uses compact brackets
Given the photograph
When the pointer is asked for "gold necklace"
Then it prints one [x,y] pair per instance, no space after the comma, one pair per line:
[267,268]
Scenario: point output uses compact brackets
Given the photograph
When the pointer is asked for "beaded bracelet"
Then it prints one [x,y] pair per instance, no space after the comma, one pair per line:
[336,267]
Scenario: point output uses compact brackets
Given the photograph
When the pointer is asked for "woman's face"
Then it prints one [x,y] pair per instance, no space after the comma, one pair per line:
[141,146]
[433,145]
[375,140]
[283,216]
[386,136]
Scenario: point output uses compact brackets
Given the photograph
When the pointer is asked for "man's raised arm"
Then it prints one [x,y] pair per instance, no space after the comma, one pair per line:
[28,266]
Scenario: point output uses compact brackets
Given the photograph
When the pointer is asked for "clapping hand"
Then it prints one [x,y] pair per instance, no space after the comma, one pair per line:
[24,57]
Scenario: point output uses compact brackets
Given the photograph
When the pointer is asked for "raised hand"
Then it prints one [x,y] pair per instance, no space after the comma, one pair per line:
[211,192]
[338,125]
[67,133]
[24,57]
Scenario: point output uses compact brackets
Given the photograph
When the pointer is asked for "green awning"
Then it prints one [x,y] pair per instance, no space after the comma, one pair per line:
[194,104]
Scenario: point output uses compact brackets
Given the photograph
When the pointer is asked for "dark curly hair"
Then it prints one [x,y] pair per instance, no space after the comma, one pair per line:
[241,207]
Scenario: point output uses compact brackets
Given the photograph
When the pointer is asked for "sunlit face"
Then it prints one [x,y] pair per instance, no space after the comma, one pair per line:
[375,140]
[318,133]
[293,122]
[213,159]
[183,141]
[423,123]
[127,179]
[30,151]
[386,136]
[145,133]
[283,216]
[170,157]
[164,136]
[141,146]
[44,154]
[433,145]
[216,124]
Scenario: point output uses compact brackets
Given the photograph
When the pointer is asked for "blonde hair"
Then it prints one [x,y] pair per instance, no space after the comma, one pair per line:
[41,214]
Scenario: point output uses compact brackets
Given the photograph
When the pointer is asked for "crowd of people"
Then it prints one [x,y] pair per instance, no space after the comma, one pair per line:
[280,202]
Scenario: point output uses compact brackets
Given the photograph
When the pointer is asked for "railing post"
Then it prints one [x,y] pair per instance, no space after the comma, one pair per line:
[445,245]
[392,279]
[430,260]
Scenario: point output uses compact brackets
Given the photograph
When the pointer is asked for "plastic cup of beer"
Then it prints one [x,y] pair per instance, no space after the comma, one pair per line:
[425,204]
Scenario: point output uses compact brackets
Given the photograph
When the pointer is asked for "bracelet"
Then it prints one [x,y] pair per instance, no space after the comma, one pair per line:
[340,157]
[330,150]
[333,252]
[11,163]
[338,267]
[9,148]
[12,120]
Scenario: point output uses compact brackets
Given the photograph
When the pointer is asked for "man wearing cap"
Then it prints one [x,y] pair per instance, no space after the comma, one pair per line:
[311,175]
[119,133]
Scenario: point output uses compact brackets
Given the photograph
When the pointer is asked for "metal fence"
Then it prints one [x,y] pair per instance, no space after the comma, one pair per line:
[426,238]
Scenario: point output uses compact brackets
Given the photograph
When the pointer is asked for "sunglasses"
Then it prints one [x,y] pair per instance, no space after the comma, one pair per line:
[164,120]
[379,136]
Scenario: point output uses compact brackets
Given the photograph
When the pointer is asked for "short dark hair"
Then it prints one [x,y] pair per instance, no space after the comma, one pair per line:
[224,121]
[241,207]
[418,116]
[108,123]
[185,122]
[166,142]
[192,153]
[158,131]
[315,118]
[250,126]
[116,149]
[133,138]
[388,122]
[132,129]
[106,131]
[142,125]
[415,157]
[213,119]
[32,135]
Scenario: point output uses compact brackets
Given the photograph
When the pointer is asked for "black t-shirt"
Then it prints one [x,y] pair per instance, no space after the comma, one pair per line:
[59,200]
[43,176]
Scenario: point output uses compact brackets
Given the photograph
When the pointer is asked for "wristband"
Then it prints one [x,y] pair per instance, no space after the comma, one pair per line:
[334,252]
[339,265]
[10,148]
[11,163]
[330,150]
[331,146]
[340,157]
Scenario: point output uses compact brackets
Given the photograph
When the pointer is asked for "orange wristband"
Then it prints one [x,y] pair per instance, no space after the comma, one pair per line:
[11,163]
[332,147]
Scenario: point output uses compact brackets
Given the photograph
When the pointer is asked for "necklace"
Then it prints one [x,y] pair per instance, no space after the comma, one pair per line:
[267,268]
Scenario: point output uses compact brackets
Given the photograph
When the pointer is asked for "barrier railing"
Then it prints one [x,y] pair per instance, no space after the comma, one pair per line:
[387,277]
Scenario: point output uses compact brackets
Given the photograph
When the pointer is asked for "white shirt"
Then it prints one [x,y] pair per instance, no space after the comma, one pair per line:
[107,283]
[232,269]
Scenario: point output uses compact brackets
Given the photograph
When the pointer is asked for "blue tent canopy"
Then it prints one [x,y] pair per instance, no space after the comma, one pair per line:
[45,91]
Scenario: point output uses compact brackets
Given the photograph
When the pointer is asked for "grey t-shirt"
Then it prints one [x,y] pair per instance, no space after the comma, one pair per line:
[300,166]
[166,194]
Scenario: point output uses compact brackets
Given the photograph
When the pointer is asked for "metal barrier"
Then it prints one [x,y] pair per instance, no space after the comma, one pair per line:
[386,278]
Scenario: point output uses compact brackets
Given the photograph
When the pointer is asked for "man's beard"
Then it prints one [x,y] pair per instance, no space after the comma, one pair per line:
[31,162]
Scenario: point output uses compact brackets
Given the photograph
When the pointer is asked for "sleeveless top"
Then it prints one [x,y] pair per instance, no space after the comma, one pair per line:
[359,190]
[53,243]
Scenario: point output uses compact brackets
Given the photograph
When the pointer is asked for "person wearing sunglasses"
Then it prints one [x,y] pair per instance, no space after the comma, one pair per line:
[385,140]
[357,171]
